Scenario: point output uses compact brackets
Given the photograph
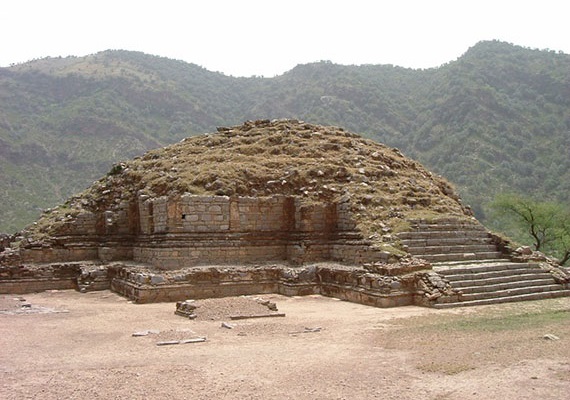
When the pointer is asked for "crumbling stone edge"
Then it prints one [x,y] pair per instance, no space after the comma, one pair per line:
[410,282]
[560,274]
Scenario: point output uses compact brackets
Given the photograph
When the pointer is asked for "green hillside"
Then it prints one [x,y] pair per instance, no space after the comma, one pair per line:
[497,119]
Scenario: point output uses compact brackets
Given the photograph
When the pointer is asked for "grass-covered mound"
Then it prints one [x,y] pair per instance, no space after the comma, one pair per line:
[280,157]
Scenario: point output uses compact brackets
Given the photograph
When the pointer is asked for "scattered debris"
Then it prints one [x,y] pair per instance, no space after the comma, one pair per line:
[550,336]
[168,343]
[186,308]
[19,306]
[307,330]
[145,333]
[185,341]
[195,340]
[219,309]
[227,326]
[257,316]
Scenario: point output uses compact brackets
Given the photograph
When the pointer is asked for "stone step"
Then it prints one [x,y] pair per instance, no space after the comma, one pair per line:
[509,292]
[445,241]
[475,276]
[442,234]
[476,268]
[496,280]
[461,256]
[447,227]
[451,266]
[481,287]
[506,299]
[463,248]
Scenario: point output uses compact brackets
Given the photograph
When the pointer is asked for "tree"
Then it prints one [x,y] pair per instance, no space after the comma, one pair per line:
[564,240]
[545,224]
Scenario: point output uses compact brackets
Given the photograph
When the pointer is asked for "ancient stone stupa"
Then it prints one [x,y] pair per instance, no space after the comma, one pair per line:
[281,206]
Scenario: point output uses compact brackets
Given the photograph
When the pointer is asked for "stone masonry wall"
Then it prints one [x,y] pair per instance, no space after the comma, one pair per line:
[189,214]
[352,284]
[176,232]
[192,230]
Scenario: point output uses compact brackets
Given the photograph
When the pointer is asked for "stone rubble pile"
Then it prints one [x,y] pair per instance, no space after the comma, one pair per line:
[186,309]
[525,254]
[431,286]
[226,307]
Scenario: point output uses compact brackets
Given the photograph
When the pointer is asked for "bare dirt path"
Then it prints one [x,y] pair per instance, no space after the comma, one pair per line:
[76,346]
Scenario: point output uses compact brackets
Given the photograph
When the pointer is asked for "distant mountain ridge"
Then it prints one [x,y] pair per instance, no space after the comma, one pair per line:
[496,119]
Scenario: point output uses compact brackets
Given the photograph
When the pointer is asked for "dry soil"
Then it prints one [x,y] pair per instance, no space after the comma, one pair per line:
[68,345]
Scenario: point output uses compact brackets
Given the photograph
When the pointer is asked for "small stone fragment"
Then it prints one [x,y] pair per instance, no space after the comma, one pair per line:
[146,333]
[550,336]
[168,343]
[186,308]
[195,340]
[227,326]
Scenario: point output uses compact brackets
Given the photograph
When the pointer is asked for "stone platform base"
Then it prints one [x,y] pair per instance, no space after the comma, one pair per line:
[346,283]
[33,285]
[144,284]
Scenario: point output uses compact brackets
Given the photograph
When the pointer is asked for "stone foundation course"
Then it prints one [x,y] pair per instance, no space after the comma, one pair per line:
[144,284]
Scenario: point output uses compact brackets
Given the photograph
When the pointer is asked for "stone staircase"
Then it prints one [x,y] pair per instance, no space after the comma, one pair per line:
[497,282]
[464,253]
[449,240]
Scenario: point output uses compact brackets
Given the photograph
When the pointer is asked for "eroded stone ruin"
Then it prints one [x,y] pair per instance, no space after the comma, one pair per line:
[265,207]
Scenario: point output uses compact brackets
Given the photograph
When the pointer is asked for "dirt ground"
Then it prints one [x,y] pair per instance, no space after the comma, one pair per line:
[68,345]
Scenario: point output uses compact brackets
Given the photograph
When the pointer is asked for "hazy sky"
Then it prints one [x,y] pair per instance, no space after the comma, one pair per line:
[269,37]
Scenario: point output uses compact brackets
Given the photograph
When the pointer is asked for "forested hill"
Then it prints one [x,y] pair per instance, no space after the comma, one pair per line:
[496,119]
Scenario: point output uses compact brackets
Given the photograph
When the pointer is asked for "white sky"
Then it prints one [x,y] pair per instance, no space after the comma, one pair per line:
[269,37]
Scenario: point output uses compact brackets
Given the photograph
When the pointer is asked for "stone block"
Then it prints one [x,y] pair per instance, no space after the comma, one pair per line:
[192,217]
[215,209]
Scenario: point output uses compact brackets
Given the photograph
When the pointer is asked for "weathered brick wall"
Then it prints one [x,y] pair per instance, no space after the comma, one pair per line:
[261,214]
[177,232]
[60,254]
[26,279]
[322,218]
[191,213]
[196,283]
[144,285]
[202,252]
[83,224]
[123,221]
[106,236]
[115,252]
[199,214]
[350,284]
[191,230]
[85,276]
[344,220]
[357,253]
[160,215]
